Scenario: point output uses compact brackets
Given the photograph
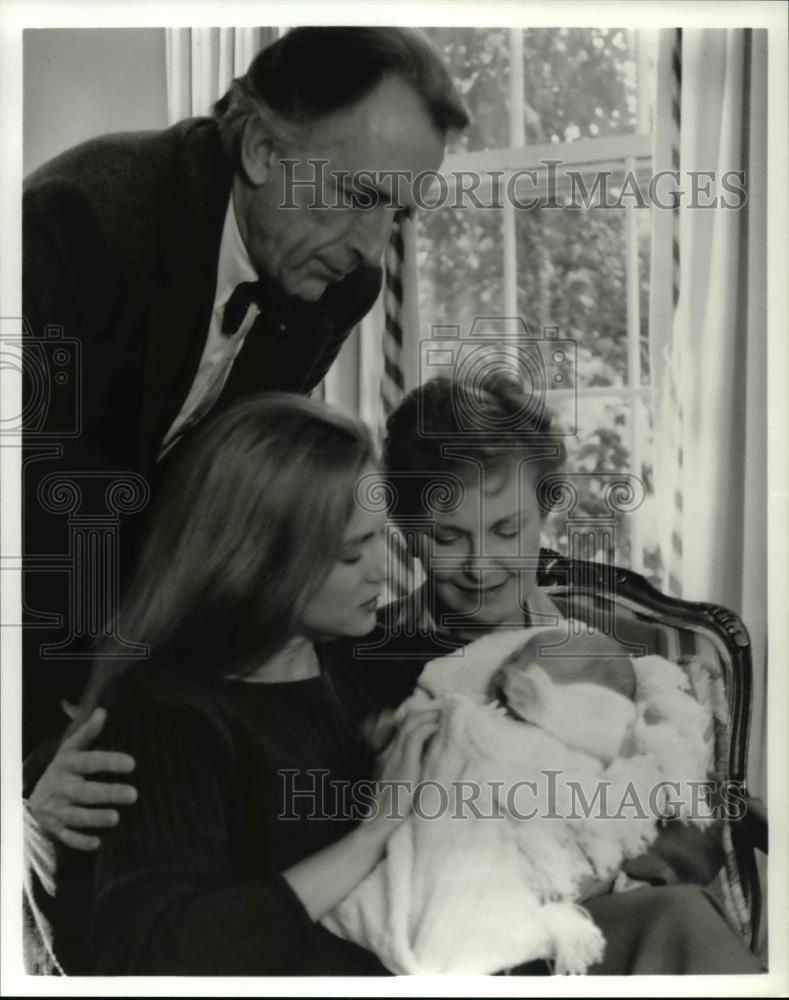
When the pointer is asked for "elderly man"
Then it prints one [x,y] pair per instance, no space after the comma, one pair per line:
[196,265]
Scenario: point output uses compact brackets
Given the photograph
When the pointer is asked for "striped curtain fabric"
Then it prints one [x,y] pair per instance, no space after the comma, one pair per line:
[400,577]
[393,375]
[665,277]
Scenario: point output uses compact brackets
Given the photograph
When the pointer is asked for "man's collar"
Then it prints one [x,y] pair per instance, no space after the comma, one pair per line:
[234,266]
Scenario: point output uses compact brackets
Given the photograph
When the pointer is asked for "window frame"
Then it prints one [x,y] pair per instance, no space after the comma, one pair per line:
[620,156]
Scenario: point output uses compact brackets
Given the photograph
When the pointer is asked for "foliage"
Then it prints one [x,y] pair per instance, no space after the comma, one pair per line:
[571,262]
[578,82]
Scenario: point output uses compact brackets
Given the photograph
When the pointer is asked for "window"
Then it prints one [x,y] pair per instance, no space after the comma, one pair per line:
[540,219]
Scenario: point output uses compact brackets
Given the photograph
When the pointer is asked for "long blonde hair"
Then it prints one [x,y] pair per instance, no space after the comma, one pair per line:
[248,524]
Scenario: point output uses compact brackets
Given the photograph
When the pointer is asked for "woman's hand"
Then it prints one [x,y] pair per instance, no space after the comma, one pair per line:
[326,877]
[378,729]
[399,771]
[65,800]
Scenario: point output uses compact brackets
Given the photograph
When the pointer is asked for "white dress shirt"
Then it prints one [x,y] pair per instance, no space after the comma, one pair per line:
[220,350]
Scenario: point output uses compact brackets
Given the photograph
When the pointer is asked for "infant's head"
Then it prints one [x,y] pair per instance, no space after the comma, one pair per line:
[579,688]
[592,659]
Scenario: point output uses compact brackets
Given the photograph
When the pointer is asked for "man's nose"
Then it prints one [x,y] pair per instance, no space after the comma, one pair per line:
[370,233]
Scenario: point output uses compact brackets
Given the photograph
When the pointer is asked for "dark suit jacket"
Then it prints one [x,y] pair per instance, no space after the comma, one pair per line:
[121,242]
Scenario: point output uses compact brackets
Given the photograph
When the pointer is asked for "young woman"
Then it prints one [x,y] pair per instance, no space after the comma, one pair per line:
[243,722]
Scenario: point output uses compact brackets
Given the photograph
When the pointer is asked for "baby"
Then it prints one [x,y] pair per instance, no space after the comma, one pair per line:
[580,689]
[457,893]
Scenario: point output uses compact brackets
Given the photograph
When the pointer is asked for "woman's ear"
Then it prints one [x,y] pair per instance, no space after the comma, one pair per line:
[257,152]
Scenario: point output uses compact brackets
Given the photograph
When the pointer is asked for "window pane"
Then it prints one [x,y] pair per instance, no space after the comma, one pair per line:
[571,267]
[595,455]
[479,63]
[570,264]
[460,261]
[572,274]
[579,83]
[601,449]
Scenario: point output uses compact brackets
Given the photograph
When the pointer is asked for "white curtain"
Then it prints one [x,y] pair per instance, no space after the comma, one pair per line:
[201,62]
[710,380]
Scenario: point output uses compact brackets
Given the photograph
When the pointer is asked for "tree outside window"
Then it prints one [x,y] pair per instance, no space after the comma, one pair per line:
[565,90]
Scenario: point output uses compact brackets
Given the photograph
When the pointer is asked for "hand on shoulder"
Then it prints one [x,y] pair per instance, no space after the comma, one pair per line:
[69,797]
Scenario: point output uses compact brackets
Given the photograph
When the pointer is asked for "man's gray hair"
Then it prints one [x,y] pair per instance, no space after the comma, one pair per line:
[311,72]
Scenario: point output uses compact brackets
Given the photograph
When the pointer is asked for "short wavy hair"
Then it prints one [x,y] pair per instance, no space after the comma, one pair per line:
[450,427]
[311,72]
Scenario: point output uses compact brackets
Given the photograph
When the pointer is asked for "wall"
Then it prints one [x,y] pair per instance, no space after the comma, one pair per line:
[83,82]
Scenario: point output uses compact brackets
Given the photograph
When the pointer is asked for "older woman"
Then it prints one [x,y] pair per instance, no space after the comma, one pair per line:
[463,464]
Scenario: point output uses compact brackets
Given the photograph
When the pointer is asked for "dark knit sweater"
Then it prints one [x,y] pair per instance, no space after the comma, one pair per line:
[189,881]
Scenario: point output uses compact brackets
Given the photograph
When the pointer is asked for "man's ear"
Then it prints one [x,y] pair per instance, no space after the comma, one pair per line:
[257,152]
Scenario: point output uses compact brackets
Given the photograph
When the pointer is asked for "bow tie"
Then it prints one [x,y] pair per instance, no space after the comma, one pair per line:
[244,295]
[268,296]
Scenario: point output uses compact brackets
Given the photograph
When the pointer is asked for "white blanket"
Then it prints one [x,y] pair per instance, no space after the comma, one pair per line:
[485,874]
